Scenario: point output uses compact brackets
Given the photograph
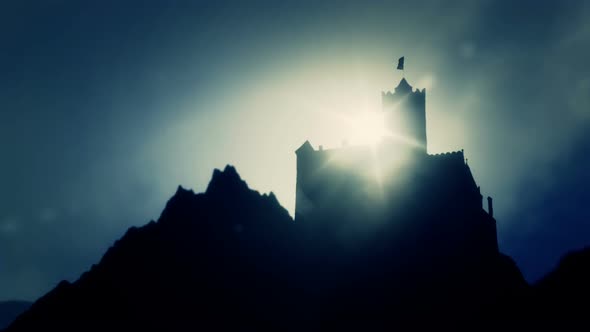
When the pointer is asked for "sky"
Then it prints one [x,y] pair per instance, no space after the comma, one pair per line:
[107,106]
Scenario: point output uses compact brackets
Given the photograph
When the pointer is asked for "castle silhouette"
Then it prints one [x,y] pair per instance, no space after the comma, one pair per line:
[362,186]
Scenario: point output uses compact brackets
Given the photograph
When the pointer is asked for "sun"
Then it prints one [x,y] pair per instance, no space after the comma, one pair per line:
[367,128]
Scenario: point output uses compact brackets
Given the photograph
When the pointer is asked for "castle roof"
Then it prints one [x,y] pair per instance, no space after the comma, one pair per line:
[305,147]
[403,86]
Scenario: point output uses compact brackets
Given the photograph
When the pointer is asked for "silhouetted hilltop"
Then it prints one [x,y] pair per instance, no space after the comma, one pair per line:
[564,292]
[9,310]
[232,259]
[206,259]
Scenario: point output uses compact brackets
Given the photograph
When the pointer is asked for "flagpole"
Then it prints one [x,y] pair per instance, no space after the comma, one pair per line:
[400,66]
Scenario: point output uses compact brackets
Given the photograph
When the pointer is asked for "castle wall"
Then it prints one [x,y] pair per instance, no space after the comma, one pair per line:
[327,176]
[430,196]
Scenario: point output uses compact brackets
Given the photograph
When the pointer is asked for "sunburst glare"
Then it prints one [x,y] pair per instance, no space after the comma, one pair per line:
[367,128]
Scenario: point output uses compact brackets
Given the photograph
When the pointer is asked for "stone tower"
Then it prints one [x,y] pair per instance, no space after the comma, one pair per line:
[406,114]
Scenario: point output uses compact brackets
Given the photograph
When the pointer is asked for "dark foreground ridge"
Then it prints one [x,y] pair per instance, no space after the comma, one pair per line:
[9,310]
[231,259]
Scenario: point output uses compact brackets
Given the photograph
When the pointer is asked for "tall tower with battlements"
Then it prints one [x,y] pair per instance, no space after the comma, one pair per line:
[406,114]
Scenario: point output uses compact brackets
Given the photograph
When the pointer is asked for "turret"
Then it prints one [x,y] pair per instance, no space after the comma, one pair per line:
[406,114]
[305,165]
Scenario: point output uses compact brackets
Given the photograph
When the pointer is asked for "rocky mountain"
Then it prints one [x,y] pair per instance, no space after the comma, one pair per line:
[233,259]
[223,253]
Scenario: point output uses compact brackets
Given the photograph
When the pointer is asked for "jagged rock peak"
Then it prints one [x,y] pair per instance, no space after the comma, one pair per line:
[182,195]
[181,191]
[228,179]
[271,196]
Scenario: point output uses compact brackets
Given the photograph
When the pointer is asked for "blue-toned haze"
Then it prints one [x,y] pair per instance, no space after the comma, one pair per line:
[107,106]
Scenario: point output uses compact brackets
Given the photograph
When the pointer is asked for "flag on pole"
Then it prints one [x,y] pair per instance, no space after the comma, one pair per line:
[400,63]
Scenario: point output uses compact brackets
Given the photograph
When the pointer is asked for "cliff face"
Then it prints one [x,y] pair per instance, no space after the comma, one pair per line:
[232,259]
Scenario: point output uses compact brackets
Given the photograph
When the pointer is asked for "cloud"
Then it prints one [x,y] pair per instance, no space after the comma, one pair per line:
[48,215]
[9,225]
